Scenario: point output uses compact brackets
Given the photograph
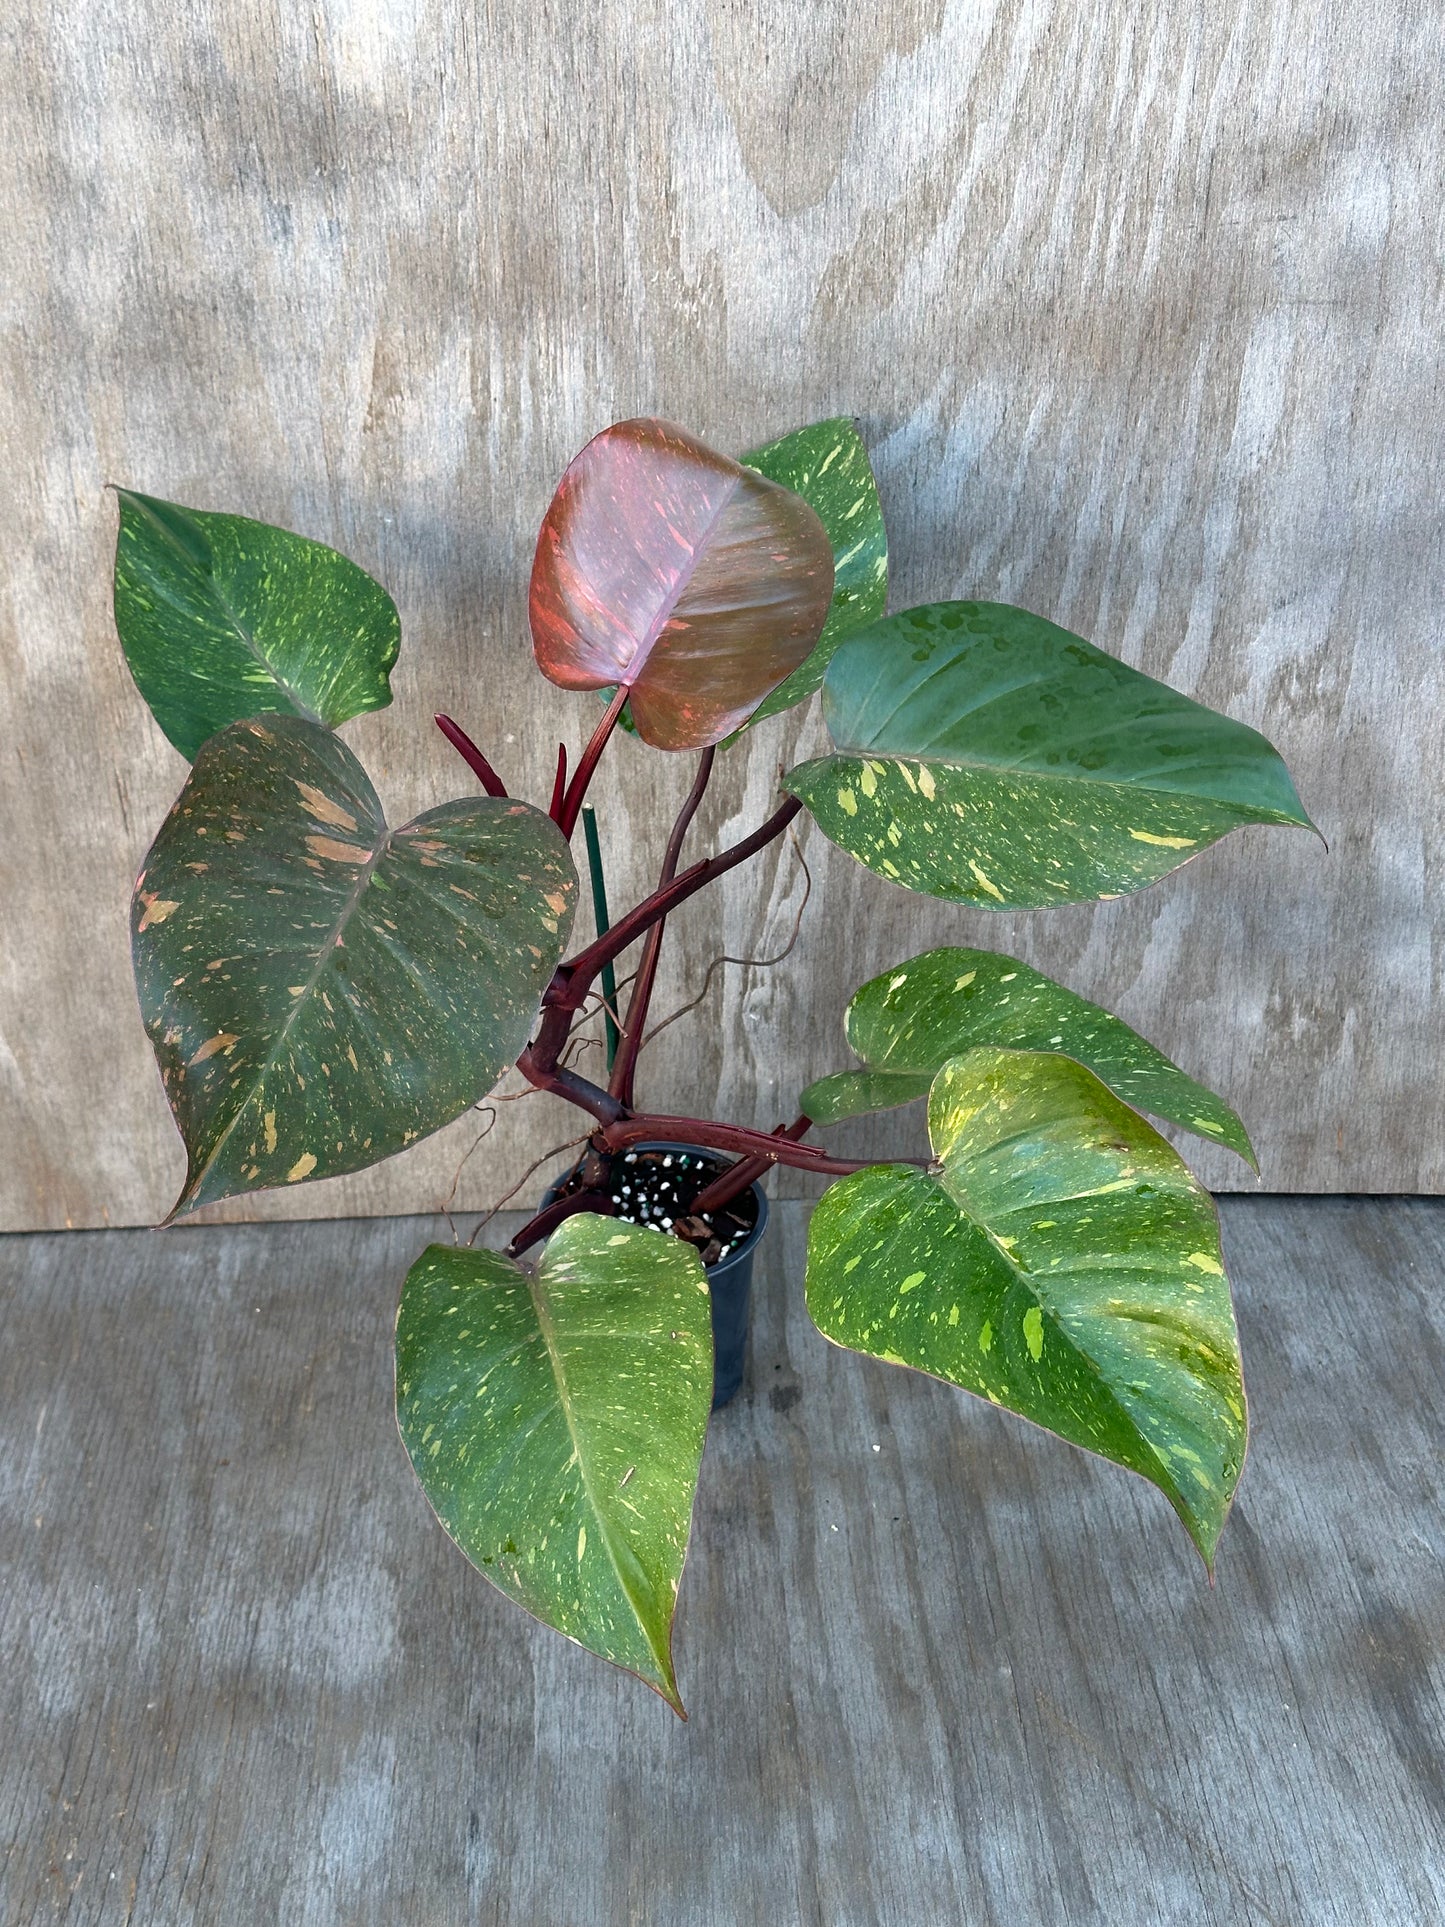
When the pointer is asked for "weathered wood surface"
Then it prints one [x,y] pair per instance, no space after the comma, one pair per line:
[1140,308]
[940,1667]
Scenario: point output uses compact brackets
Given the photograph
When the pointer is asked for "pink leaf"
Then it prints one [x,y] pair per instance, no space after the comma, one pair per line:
[670,570]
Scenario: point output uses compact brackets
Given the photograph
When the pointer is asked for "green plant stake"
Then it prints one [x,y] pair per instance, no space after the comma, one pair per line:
[322,990]
[600,918]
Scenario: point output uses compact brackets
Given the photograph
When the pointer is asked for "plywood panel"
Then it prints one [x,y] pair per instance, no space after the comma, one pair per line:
[1140,309]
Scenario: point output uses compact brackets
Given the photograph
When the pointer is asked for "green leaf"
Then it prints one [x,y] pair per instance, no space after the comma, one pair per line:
[322,991]
[671,571]
[907,1023]
[827,464]
[556,1420]
[989,757]
[221,617]
[1064,1264]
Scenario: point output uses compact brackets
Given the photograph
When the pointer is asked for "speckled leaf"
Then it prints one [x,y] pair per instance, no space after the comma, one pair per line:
[827,464]
[907,1023]
[221,617]
[667,569]
[556,1419]
[987,756]
[1063,1264]
[321,991]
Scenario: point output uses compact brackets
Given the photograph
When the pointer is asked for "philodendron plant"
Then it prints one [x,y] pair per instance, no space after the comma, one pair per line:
[322,990]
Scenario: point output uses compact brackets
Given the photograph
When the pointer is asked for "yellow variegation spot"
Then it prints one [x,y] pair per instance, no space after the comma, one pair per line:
[323,807]
[157,909]
[334,852]
[221,1042]
[1034,1332]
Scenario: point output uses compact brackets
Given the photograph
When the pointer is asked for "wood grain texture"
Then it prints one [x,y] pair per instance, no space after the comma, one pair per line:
[1140,309]
[939,1666]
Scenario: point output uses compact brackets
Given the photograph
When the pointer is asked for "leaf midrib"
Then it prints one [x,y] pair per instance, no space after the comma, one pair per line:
[303,709]
[327,951]
[647,643]
[542,1307]
[1024,773]
[1037,680]
[1027,1279]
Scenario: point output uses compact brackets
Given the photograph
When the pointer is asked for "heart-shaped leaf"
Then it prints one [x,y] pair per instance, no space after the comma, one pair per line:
[987,756]
[827,464]
[556,1420]
[221,617]
[1064,1264]
[670,570]
[322,991]
[907,1023]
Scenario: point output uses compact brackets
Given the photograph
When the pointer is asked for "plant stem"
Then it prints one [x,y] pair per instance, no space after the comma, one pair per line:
[538,1064]
[559,784]
[599,914]
[472,756]
[568,988]
[733,1137]
[577,788]
[550,1216]
[746,1171]
[624,1069]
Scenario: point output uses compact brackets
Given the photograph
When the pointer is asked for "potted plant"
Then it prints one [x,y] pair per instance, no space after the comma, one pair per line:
[322,990]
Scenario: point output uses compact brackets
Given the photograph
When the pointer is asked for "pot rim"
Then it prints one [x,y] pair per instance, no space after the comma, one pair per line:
[739,1252]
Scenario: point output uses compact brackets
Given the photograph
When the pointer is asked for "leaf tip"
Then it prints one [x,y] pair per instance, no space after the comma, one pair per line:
[664,1684]
[1240,1143]
[184,1205]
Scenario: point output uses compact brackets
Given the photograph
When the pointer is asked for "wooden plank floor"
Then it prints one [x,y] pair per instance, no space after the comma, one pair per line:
[940,1668]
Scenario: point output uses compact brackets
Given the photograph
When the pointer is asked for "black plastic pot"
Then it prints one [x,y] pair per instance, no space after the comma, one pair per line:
[730,1287]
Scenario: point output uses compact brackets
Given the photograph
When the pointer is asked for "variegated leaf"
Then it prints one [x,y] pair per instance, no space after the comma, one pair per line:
[907,1022]
[320,990]
[556,1420]
[990,757]
[221,617]
[1062,1263]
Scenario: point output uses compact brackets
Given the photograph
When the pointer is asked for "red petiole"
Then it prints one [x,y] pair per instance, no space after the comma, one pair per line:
[471,756]
[619,1125]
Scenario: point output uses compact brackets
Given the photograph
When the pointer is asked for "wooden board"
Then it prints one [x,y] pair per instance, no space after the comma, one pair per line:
[939,1666]
[1139,308]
